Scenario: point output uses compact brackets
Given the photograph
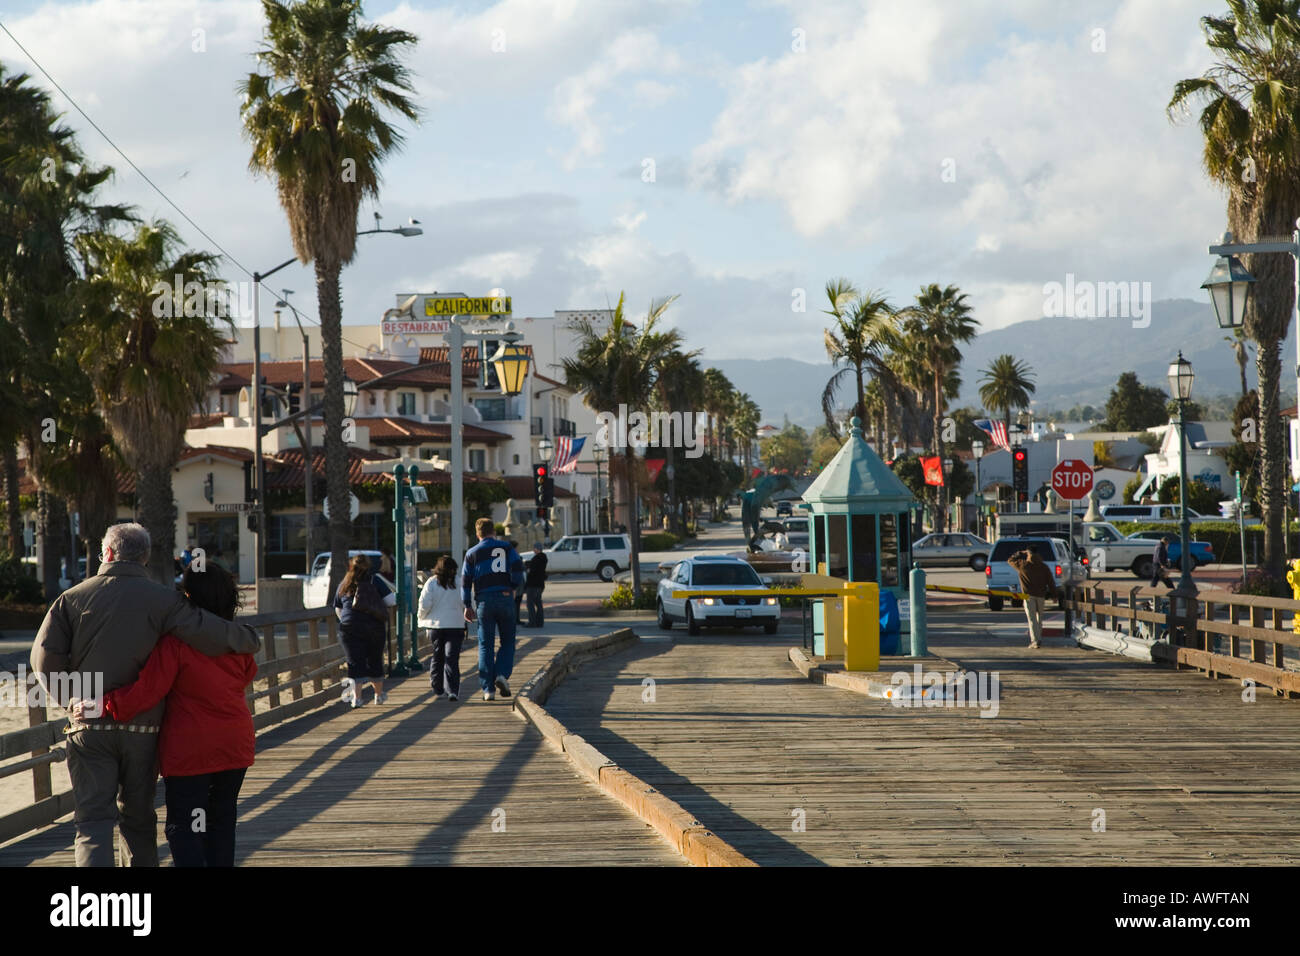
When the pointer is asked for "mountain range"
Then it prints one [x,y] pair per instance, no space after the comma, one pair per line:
[1074,362]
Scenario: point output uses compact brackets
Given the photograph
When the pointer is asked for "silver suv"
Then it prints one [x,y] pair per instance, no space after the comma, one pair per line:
[1056,554]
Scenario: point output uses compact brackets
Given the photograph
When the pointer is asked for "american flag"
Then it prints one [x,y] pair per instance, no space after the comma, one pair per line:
[567,451]
[995,430]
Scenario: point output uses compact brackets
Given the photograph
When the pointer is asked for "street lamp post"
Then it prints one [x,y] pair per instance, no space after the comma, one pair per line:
[309,472]
[259,506]
[599,456]
[1180,385]
[977,452]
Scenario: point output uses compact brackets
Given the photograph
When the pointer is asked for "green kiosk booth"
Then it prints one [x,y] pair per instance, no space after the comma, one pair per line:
[859,524]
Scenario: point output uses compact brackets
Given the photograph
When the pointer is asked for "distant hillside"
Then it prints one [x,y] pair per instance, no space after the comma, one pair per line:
[1075,361]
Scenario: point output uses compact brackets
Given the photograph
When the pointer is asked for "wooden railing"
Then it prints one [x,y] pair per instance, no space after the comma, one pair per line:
[1222,634]
[298,671]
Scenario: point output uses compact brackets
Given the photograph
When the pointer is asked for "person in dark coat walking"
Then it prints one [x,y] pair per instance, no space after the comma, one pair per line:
[1160,563]
[534,584]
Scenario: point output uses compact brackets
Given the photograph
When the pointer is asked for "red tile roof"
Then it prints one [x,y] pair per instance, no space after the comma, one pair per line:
[236,375]
[408,431]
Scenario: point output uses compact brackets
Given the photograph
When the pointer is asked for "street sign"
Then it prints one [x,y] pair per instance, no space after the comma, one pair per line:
[1072,479]
[227,507]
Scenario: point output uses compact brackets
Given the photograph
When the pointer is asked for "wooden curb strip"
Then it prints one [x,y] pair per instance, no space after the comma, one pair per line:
[687,835]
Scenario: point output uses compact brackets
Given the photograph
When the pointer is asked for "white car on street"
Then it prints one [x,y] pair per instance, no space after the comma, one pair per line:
[316,586]
[715,572]
[605,554]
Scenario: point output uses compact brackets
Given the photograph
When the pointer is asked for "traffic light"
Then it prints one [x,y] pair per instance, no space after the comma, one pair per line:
[1019,472]
[541,476]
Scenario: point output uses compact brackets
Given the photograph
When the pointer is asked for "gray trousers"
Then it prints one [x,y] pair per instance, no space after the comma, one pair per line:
[114,779]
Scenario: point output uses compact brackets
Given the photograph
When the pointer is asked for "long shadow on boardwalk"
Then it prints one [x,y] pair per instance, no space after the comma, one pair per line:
[597,683]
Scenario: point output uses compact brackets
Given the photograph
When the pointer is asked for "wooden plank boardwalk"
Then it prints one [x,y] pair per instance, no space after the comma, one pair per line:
[417,782]
[1185,771]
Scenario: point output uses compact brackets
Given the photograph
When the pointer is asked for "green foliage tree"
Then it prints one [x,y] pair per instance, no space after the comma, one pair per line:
[789,450]
[1133,406]
[150,357]
[1201,498]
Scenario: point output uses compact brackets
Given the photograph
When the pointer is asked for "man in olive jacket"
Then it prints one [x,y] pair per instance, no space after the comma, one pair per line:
[1037,583]
[96,638]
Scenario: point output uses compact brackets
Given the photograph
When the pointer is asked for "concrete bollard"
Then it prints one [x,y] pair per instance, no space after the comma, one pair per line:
[916,581]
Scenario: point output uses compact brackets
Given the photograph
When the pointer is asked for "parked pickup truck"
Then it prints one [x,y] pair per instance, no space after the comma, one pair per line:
[1111,550]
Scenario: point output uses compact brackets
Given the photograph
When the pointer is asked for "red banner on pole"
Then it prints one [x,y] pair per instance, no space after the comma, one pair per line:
[933,470]
[653,465]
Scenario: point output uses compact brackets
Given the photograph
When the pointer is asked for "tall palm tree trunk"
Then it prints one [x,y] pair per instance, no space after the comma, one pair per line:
[51,519]
[336,452]
[1272,453]
[158,515]
[13,513]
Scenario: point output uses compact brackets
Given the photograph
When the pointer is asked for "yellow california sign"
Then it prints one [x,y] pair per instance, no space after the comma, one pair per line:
[483,305]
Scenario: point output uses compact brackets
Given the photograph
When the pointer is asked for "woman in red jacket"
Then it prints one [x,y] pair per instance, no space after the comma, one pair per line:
[206,741]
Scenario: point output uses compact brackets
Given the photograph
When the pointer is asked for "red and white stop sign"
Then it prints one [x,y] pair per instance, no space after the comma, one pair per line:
[1072,479]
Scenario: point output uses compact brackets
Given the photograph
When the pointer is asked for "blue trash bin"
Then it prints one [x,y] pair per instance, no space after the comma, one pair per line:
[890,625]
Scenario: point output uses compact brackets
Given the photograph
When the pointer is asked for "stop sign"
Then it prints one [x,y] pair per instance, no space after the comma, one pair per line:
[1072,479]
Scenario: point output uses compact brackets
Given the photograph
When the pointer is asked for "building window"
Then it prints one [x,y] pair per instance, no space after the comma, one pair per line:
[477,459]
[406,403]
[516,459]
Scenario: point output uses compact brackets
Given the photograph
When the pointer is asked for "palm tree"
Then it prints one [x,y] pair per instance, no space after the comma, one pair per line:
[678,380]
[1008,383]
[1250,122]
[618,366]
[315,119]
[717,396]
[860,338]
[939,322]
[148,370]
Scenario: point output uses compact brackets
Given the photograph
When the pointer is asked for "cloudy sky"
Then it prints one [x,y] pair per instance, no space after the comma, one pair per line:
[997,145]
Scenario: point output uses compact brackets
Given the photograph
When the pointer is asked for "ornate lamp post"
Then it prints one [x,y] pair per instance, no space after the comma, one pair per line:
[1180,386]
[977,452]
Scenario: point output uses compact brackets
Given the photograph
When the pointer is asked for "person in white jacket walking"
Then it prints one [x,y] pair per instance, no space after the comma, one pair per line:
[443,612]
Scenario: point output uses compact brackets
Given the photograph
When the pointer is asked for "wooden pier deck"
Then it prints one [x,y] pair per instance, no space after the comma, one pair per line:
[414,782]
[1184,770]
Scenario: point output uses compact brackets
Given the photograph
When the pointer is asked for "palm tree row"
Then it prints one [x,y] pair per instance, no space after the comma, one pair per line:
[96,377]
[903,365]
[642,365]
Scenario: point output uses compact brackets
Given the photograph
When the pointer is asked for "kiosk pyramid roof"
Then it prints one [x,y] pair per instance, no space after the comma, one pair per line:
[858,475]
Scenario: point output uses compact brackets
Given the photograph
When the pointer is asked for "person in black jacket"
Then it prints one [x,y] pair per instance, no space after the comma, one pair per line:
[534,583]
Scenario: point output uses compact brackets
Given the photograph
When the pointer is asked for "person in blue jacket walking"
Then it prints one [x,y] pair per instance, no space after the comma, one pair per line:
[493,572]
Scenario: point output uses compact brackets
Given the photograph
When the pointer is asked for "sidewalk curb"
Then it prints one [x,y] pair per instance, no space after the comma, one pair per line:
[687,835]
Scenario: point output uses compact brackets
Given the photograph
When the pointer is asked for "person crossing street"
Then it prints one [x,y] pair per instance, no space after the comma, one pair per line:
[1037,584]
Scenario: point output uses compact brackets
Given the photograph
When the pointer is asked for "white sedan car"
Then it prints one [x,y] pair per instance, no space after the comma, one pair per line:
[715,572]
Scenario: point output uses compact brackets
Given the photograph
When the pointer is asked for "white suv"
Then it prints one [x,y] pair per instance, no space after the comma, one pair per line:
[606,554]
[709,573]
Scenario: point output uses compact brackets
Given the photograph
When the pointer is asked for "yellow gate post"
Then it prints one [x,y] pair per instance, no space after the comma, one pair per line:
[861,627]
